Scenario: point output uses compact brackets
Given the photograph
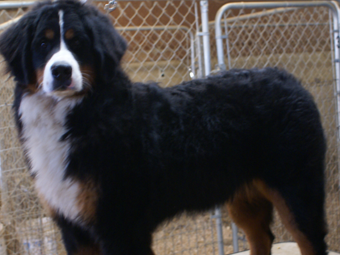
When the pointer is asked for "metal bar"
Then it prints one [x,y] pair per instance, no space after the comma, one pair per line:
[228,46]
[255,15]
[280,25]
[207,68]
[192,49]
[336,44]
[332,5]
[205,31]
[333,46]
[218,218]
[144,28]
[15,5]
[234,229]
[198,42]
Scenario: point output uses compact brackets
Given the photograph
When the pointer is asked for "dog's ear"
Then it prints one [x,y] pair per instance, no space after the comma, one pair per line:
[109,45]
[15,47]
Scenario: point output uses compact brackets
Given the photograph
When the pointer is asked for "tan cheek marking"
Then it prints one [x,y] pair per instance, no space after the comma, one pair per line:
[88,74]
[49,34]
[40,75]
[87,200]
[69,34]
[34,87]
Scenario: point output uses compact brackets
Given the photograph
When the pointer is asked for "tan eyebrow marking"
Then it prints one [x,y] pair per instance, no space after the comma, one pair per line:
[69,34]
[49,34]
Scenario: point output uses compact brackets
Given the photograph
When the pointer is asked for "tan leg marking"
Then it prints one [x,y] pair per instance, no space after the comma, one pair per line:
[253,214]
[87,200]
[89,250]
[287,217]
[88,75]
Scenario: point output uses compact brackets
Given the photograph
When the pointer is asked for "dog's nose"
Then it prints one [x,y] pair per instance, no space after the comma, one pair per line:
[61,72]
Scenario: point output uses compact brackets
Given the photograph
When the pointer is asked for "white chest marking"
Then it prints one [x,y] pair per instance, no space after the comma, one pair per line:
[43,121]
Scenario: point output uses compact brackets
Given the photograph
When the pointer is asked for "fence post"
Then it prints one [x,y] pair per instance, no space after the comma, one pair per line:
[205,34]
[235,237]
[207,69]
[218,218]
[336,38]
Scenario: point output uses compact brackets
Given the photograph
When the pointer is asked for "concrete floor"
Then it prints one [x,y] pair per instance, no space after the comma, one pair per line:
[288,248]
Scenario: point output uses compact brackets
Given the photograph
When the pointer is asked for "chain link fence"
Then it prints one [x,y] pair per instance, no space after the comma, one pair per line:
[163,47]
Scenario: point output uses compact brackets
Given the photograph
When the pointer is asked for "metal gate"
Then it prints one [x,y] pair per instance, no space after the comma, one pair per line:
[303,38]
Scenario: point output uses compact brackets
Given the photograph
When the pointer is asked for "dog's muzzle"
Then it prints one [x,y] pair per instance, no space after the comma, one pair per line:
[62,75]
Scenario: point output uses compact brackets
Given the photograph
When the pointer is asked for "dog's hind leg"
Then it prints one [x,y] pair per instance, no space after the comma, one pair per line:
[300,206]
[252,212]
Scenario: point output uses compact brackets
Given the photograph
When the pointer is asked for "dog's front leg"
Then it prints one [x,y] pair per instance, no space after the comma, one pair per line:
[111,248]
[77,241]
[125,243]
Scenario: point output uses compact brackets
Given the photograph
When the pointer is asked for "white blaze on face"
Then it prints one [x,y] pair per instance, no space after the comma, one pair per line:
[66,57]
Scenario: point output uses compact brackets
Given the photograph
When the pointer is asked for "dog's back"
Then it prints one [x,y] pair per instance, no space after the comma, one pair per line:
[229,129]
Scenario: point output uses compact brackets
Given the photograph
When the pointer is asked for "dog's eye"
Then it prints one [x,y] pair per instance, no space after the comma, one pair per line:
[43,44]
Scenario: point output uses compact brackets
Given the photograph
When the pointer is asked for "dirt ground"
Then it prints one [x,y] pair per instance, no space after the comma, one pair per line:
[191,235]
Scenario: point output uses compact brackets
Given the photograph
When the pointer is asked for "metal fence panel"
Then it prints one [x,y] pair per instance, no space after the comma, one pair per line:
[300,40]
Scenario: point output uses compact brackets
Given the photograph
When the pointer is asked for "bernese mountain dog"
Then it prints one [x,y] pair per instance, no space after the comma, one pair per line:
[112,159]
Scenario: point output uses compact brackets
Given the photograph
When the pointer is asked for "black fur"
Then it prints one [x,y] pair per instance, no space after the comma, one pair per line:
[156,152]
